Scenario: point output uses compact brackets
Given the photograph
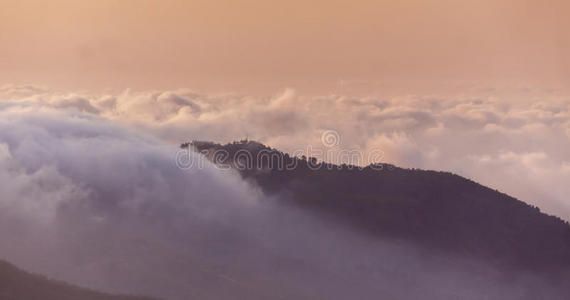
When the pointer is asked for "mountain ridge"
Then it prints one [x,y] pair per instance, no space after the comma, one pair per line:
[16,284]
[439,209]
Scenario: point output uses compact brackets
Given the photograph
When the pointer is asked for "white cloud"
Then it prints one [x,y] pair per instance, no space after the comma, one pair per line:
[433,132]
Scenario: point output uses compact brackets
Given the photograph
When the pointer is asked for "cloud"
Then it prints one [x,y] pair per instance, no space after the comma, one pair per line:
[436,132]
[67,177]
[94,197]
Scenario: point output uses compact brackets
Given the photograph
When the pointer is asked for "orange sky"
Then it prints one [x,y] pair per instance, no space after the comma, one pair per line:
[256,46]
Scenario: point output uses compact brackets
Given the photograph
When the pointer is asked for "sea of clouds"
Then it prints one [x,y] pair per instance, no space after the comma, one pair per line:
[517,143]
[90,193]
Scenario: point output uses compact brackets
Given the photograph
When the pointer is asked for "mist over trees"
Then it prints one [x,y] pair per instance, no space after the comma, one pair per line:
[100,205]
[439,210]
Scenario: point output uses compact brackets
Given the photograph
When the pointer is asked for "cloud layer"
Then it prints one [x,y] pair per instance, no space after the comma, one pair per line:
[515,142]
[88,197]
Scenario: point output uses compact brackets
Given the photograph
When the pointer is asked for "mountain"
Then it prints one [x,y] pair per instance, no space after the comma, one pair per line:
[16,284]
[439,210]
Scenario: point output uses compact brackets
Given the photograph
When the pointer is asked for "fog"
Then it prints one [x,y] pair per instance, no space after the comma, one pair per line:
[93,202]
[513,139]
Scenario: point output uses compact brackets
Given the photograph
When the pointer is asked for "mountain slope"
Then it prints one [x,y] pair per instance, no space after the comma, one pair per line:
[438,209]
[16,284]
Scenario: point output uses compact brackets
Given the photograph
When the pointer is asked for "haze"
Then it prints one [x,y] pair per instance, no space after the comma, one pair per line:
[260,47]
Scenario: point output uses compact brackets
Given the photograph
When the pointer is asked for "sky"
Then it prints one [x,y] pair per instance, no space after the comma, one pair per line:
[260,47]
[479,88]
